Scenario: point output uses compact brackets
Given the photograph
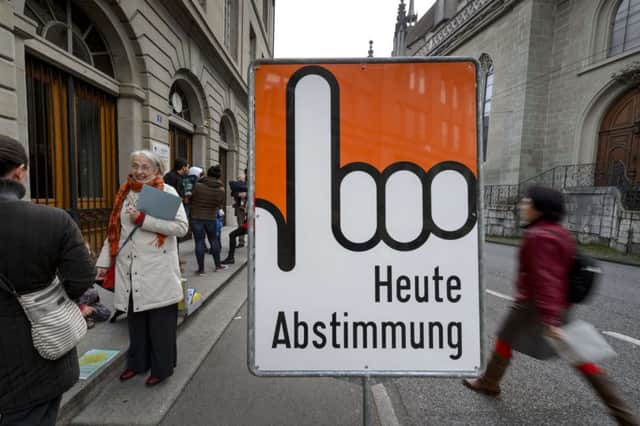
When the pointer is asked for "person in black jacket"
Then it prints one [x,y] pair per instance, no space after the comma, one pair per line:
[177,176]
[37,242]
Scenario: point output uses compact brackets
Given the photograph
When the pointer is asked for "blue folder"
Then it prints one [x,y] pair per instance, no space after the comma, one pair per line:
[159,204]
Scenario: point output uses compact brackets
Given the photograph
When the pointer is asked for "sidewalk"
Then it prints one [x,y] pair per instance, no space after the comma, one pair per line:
[115,336]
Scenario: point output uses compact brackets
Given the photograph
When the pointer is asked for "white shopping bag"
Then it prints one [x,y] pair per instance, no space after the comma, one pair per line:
[580,343]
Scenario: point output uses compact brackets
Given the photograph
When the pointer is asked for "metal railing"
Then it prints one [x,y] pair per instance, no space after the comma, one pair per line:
[570,176]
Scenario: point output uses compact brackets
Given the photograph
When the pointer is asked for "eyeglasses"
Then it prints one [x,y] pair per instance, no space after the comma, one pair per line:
[142,167]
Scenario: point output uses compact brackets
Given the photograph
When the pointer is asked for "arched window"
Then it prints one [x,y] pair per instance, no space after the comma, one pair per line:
[226,132]
[180,140]
[178,103]
[486,66]
[625,29]
[63,23]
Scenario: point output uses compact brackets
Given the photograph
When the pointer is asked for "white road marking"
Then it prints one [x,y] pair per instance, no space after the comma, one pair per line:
[622,337]
[500,295]
[386,414]
[613,334]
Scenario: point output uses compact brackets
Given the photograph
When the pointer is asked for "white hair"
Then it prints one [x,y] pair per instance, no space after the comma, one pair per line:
[152,157]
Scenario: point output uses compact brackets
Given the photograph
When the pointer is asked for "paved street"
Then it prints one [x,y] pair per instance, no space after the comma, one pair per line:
[223,392]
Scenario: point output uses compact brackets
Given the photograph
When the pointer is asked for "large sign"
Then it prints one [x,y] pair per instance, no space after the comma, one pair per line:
[365,233]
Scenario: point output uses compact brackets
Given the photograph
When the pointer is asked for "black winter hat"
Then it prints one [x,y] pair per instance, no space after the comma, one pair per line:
[214,171]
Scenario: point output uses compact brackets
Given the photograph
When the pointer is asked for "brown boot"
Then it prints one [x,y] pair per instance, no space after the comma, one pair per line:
[608,394]
[489,382]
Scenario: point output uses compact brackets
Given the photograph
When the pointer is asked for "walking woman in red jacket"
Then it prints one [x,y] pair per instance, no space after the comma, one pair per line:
[545,258]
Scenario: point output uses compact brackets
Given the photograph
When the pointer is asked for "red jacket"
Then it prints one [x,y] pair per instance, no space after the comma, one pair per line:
[546,255]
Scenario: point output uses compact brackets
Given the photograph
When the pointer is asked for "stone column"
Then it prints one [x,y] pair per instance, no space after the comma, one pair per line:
[8,83]
[130,138]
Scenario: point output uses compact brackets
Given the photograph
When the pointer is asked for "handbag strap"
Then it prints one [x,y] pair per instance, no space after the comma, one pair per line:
[128,239]
[6,285]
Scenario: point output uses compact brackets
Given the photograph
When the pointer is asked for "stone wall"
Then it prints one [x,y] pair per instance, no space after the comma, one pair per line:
[501,220]
[594,216]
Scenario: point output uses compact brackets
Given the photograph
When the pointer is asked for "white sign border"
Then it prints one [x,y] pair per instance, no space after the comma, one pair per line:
[251,364]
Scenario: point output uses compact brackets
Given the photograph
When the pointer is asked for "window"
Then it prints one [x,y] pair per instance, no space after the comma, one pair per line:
[625,32]
[62,23]
[252,45]
[265,14]
[226,132]
[486,67]
[72,147]
[178,103]
[231,27]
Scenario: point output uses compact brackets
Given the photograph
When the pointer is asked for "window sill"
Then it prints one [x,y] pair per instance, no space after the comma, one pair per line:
[607,61]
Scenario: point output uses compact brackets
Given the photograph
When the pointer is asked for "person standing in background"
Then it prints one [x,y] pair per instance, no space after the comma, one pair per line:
[239,194]
[208,199]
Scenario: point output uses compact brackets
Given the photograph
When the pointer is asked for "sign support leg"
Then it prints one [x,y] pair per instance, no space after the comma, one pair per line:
[366,410]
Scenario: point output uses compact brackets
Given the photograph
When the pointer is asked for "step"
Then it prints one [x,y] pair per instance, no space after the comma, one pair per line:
[131,402]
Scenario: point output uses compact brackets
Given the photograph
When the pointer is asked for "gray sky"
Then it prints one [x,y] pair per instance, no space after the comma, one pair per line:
[337,28]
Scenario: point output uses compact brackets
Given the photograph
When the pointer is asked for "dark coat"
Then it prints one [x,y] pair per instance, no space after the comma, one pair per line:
[35,242]
[208,198]
[174,179]
[545,257]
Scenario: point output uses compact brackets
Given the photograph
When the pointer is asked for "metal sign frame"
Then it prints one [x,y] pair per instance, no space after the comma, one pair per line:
[253,368]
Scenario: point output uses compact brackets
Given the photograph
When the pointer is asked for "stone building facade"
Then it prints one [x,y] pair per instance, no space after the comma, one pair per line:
[552,64]
[84,83]
[560,85]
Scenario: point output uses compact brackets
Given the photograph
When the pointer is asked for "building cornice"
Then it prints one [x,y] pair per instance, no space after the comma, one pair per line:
[464,25]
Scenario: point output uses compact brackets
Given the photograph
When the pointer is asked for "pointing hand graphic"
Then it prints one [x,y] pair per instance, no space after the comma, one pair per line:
[359,241]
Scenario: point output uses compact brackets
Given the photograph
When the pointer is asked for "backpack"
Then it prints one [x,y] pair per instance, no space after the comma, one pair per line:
[583,277]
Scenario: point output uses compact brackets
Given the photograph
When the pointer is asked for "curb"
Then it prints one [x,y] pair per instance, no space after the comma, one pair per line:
[604,258]
[73,406]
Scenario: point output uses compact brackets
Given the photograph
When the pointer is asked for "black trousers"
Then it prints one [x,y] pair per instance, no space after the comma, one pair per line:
[238,232]
[44,414]
[152,340]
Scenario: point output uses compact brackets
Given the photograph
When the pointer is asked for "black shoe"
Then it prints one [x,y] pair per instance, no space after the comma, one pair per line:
[240,245]
[228,261]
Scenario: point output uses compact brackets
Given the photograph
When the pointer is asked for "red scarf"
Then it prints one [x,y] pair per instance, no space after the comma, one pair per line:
[115,225]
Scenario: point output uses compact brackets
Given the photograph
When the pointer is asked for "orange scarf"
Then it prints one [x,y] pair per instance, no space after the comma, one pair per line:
[115,225]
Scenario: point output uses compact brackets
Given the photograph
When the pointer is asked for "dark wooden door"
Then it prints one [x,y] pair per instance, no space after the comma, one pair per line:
[180,145]
[619,140]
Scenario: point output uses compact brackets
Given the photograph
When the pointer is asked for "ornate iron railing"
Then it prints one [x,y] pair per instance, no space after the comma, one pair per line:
[571,176]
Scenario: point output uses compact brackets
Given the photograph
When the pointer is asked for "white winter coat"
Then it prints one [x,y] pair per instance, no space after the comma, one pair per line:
[149,273]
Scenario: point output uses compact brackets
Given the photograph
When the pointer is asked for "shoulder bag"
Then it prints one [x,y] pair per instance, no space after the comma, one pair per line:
[57,325]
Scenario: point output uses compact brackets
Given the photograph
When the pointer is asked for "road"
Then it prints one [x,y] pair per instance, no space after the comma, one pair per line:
[223,392]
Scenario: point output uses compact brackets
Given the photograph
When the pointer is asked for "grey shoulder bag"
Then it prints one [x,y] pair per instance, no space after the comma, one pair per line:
[57,325]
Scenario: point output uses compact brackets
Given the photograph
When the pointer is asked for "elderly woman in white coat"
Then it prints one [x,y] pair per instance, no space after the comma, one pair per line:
[140,260]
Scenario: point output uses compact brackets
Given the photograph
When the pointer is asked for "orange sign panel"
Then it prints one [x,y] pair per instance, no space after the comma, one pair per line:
[422,112]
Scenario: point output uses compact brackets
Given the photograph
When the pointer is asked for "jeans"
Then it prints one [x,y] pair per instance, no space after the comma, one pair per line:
[202,227]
